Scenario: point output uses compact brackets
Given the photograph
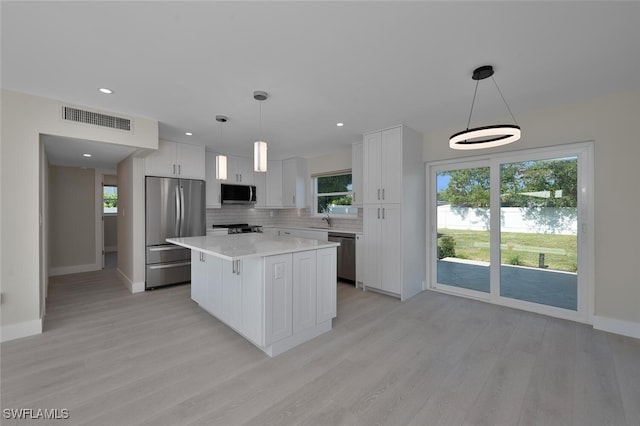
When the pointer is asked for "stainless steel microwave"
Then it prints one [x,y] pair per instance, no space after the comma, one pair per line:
[238,194]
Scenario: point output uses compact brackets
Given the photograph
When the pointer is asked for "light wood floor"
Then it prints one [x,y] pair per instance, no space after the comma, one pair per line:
[113,358]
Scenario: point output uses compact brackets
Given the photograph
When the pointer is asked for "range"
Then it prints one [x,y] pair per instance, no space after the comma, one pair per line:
[240,228]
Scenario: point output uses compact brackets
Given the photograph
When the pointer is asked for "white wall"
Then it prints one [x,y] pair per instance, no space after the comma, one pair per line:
[611,122]
[24,118]
[131,227]
[72,236]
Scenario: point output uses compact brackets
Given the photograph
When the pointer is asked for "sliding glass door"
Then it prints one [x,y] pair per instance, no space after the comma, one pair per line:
[515,229]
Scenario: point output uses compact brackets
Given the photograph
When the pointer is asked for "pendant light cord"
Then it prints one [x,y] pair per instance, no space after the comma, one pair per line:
[503,100]
[260,102]
[472,103]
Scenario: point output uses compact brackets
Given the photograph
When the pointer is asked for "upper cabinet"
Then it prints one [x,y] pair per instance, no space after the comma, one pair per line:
[174,159]
[239,170]
[383,168]
[356,174]
[294,183]
[269,186]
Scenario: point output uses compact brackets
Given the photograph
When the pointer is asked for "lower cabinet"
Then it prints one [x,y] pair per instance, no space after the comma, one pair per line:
[382,248]
[276,302]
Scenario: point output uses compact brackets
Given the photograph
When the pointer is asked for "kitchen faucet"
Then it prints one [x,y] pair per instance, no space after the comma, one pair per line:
[327,218]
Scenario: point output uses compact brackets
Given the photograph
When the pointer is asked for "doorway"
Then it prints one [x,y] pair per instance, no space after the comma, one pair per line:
[515,229]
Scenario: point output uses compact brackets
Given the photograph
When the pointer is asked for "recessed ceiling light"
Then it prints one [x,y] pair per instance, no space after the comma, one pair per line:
[86,155]
[105,90]
[339,124]
[188,133]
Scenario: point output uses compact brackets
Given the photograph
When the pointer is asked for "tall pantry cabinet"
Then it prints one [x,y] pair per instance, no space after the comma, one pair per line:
[394,211]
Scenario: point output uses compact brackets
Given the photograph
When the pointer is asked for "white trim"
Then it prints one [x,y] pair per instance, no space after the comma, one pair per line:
[20,330]
[138,287]
[612,325]
[74,269]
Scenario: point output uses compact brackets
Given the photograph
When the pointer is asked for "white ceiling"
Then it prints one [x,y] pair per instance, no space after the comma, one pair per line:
[367,64]
[70,152]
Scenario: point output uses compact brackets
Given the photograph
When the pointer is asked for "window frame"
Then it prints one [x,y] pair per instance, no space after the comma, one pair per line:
[316,195]
[109,213]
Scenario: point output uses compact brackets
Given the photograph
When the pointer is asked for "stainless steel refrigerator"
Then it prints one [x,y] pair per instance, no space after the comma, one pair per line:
[174,208]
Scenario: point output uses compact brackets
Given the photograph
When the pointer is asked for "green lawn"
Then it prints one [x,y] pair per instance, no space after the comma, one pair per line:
[561,252]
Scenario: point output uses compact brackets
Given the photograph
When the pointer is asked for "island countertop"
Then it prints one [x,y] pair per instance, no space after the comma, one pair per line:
[243,246]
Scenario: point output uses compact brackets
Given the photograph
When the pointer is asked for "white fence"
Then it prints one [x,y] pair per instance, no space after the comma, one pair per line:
[543,220]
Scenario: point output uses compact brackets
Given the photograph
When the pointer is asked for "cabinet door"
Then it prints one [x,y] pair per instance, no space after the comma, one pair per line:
[213,184]
[294,183]
[214,284]
[163,161]
[391,249]
[274,183]
[327,284]
[191,161]
[231,295]
[260,181]
[371,168]
[198,278]
[304,290]
[245,171]
[356,173]
[371,246]
[391,167]
[278,297]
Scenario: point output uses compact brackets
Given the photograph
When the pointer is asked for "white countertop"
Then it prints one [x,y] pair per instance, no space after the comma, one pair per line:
[242,246]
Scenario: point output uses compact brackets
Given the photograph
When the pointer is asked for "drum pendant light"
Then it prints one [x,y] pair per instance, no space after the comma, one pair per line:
[260,147]
[221,160]
[485,136]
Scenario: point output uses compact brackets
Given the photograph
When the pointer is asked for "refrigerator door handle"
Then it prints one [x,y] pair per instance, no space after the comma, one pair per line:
[182,208]
[178,208]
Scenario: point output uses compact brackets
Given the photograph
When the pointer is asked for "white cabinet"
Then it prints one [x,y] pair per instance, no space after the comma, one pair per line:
[319,234]
[382,152]
[327,285]
[269,186]
[382,248]
[356,173]
[213,184]
[278,298]
[276,302]
[294,183]
[239,170]
[174,159]
[304,292]
[393,252]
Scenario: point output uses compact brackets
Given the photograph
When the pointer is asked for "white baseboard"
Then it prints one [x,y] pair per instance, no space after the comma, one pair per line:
[74,269]
[133,287]
[19,330]
[622,327]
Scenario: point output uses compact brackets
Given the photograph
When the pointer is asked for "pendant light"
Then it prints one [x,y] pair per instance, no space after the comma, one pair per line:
[485,136]
[260,147]
[221,160]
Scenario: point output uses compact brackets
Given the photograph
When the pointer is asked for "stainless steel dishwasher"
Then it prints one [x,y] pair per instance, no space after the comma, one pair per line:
[346,255]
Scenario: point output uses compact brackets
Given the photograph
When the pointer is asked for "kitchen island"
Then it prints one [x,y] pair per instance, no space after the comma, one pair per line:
[275,291]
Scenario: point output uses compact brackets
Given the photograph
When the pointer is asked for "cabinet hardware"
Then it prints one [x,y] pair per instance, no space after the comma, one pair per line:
[383,212]
[240,177]
[174,169]
[233,267]
[383,193]
[378,212]
[179,169]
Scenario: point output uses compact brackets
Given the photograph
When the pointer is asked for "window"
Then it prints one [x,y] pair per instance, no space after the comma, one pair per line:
[514,229]
[109,199]
[334,195]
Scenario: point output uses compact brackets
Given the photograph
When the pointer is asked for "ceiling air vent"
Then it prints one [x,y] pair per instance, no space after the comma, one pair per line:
[95,118]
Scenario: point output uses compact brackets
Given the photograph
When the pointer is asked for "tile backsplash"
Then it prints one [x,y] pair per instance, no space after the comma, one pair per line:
[277,217]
